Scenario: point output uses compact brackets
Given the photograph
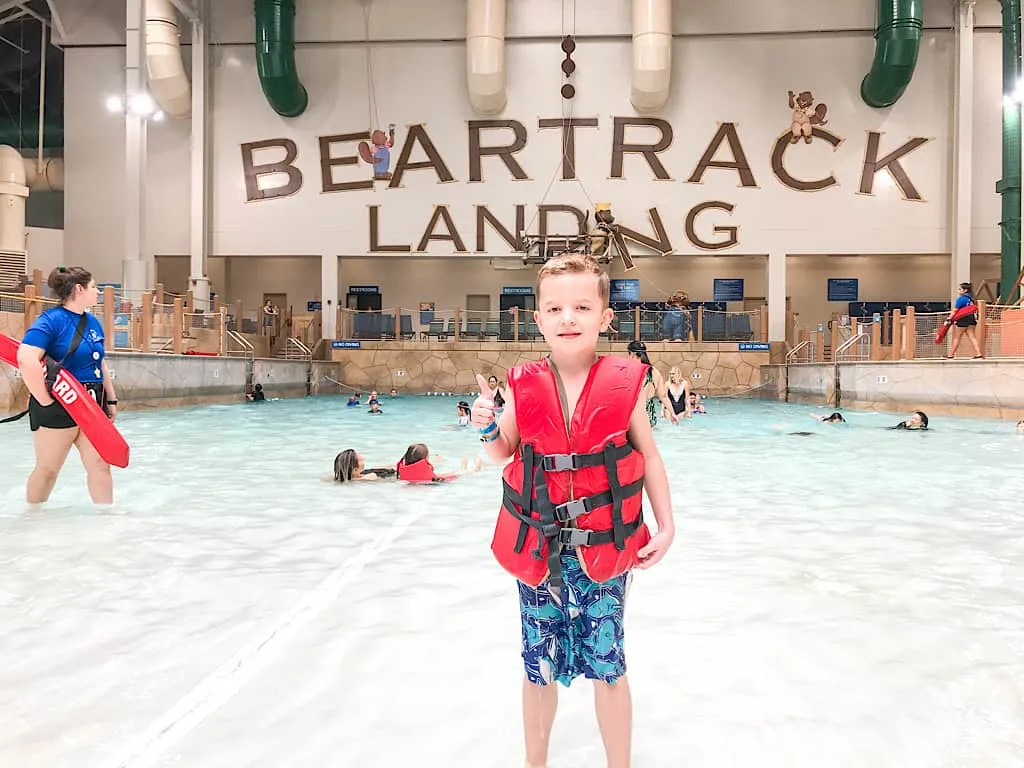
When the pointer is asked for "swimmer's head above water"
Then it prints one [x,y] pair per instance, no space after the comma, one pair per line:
[347,465]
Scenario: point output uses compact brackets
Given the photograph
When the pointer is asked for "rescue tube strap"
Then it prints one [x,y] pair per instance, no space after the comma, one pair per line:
[15,417]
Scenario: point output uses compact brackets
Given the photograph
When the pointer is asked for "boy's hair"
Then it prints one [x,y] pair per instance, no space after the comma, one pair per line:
[575,264]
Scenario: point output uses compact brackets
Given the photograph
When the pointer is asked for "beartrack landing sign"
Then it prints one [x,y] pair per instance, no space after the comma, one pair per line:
[270,172]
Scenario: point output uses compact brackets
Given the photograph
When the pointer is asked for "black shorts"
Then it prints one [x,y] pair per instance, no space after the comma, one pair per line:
[967,322]
[55,415]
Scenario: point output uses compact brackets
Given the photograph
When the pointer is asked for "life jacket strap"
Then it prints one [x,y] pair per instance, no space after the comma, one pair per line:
[565,462]
[550,518]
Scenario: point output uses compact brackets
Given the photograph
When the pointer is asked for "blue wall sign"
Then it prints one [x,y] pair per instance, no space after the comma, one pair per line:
[122,327]
[314,306]
[728,289]
[624,290]
[346,344]
[843,289]
[754,346]
[364,289]
[517,290]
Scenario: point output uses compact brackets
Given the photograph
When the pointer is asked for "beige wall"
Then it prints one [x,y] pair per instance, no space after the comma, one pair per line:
[882,278]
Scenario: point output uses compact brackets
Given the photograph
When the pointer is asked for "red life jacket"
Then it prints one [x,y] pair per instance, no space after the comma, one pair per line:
[421,471]
[588,474]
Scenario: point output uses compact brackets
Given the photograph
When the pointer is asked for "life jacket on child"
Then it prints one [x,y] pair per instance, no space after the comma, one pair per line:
[579,487]
[421,471]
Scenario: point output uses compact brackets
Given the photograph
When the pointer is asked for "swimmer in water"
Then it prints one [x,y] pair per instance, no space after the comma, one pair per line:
[462,409]
[1020,427]
[833,418]
[349,465]
[415,466]
[918,421]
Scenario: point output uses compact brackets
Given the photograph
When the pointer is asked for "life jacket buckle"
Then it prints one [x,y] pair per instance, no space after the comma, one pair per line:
[561,462]
[566,512]
[550,530]
[574,537]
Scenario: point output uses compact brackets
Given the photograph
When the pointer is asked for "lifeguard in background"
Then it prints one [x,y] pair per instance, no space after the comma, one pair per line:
[72,401]
[964,317]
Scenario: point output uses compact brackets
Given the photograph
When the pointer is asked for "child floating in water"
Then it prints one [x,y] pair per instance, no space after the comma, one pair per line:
[415,466]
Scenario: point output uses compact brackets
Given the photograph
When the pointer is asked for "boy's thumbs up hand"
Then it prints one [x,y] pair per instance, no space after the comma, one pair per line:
[482,412]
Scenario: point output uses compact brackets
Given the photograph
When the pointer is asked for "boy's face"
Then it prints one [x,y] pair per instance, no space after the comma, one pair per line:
[570,312]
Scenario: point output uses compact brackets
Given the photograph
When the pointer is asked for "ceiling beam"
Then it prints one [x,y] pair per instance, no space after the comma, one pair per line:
[56,21]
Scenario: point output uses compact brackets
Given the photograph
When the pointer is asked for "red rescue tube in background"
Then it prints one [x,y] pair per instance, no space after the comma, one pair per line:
[86,412]
[970,309]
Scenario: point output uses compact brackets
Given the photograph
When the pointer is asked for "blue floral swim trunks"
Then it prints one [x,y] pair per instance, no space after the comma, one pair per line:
[577,630]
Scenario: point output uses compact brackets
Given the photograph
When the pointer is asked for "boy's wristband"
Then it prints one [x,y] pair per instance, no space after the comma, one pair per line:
[489,428]
[491,436]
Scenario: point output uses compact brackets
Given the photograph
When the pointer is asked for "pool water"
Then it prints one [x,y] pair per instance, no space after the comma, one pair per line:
[852,597]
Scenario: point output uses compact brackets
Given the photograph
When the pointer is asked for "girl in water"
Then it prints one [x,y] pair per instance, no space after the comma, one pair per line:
[350,465]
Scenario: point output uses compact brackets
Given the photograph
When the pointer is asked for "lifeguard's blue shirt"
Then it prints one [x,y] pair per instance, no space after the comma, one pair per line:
[54,330]
[963,301]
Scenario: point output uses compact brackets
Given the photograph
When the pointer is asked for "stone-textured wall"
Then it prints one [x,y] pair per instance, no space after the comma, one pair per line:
[148,380]
[973,388]
[418,367]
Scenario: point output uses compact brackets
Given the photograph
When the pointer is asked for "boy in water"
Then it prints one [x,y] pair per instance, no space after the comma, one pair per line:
[573,624]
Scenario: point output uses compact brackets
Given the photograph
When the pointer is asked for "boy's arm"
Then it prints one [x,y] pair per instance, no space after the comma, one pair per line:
[655,479]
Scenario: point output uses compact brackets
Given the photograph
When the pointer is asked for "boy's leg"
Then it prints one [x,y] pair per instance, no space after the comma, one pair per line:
[539,705]
[614,707]
[545,635]
[598,624]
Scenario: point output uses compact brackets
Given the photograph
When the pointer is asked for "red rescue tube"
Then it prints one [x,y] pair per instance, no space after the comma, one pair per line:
[970,309]
[86,412]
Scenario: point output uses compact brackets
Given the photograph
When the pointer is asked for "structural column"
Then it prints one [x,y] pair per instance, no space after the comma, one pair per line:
[199,215]
[777,295]
[329,293]
[136,266]
[963,121]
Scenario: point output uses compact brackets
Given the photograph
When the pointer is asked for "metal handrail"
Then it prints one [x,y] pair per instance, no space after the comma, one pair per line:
[294,349]
[792,353]
[246,347]
[851,342]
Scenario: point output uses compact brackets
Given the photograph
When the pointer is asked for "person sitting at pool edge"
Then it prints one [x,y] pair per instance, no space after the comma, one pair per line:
[350,465]
[917,420]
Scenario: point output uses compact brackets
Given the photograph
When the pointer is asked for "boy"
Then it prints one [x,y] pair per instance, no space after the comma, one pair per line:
[574,573]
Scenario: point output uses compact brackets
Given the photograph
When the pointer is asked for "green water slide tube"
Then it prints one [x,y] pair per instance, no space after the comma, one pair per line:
[897,42]
[275,57]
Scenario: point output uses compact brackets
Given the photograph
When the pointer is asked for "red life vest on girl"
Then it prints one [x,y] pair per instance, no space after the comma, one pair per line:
[421,471]
[578,487]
